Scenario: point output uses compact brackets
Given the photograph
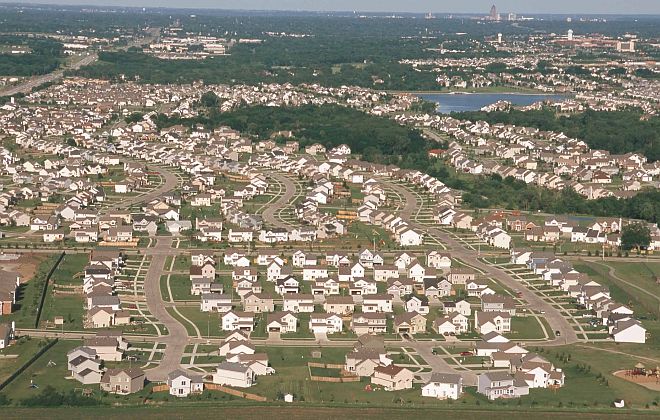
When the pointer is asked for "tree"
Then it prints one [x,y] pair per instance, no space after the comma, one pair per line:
[210,99]
[635,235]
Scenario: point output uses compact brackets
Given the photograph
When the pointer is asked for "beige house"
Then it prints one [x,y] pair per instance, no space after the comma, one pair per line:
[339,305]
[392,378]
[123,381]
[258,302]
[410,322]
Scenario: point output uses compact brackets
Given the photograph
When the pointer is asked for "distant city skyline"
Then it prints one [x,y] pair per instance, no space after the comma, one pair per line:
[414,6]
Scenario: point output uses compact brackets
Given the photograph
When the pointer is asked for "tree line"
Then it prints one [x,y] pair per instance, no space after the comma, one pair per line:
[615,131]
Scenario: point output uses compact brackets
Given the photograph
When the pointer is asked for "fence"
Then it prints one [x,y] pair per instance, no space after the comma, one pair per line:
[161,388]
[235,393]
[45,289]
[333,379]
[27,364]
[345,376]
[325,365]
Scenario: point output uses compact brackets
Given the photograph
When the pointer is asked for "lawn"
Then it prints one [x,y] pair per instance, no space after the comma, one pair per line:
[69,272]
[23,350]
[181,263]
[179,285]
[206,322]
[71,307]
[642,303]
[589,379]
[29,295]
[525,328]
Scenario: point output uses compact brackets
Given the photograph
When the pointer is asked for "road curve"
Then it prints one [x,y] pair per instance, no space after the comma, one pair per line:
[284,200]
[170,183]
[177,337]
[555,319]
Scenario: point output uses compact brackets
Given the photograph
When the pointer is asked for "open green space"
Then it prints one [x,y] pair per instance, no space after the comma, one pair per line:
[643,302]
[70,270]
[29,295]
[208,323]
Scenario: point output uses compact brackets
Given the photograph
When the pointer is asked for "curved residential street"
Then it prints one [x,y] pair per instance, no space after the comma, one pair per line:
[555,319]
[269,214]
[177,335]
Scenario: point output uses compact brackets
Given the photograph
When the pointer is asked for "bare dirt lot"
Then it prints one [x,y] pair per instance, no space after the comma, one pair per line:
[26,265]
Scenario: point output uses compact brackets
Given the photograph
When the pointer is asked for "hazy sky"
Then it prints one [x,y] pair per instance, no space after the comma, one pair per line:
[450,6]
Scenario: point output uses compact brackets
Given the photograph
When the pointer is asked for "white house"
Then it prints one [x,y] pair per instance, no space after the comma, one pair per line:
[234,374]
[182,384]
[443,386]
[629,331]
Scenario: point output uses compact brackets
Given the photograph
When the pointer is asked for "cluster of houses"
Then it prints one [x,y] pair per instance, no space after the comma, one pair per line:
[590,294]
[547,159]
[86,363]
[242,364]
[495,228]
[340,286]
[337,283]
[99,281]
[518,370]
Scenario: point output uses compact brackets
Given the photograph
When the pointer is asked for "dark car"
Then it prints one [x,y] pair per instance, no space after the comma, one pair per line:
[558,333]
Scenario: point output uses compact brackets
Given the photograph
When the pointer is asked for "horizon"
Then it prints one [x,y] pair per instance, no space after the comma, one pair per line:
[605,7]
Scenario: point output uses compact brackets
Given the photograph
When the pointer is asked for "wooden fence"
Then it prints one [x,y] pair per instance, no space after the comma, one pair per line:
[160,388]
[345,375]
[333,379]
[236,393]
[325,365]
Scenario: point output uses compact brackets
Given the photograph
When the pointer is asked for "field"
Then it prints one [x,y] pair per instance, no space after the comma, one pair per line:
[70,269]
[643,299]
[239,410]
[23,350]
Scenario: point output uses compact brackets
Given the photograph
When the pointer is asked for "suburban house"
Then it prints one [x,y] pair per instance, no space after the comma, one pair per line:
[410,322]
[123,381]
[485,322]
[443,386]
[392,377]
[234,374]
[496,385]
[182,384]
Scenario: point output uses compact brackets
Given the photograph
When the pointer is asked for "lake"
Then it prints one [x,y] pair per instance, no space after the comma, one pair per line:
[448,102]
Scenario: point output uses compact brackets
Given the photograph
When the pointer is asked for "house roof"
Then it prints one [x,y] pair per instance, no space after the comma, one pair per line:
[130,372]
[445,378]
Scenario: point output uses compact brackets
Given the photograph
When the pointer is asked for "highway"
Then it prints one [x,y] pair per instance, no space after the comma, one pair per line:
[27,86]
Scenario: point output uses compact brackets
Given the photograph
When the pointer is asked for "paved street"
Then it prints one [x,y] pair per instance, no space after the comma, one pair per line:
[177,337]
[555,319]
[270,212]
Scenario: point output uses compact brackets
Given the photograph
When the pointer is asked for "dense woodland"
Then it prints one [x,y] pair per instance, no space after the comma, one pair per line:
[45,56]
[380,140]
[618,132]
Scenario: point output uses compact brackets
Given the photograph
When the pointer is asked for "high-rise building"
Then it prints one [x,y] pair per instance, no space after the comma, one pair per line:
[493,13]
[569,36]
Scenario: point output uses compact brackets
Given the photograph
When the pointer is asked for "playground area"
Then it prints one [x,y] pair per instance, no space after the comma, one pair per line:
[641,375]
